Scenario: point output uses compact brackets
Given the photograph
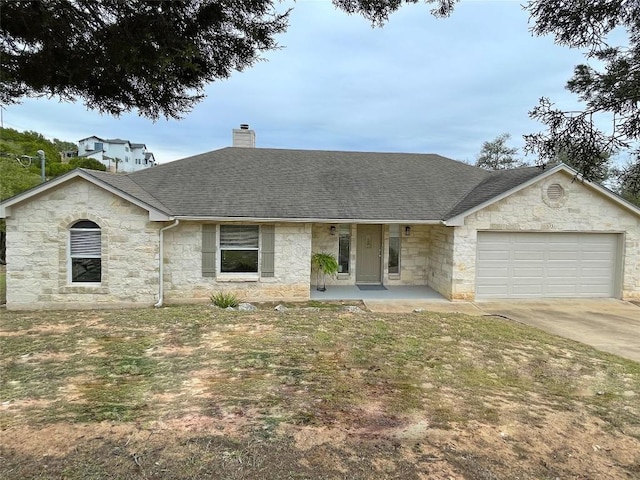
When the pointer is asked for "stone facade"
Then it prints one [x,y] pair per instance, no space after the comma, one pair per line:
[440,268]
[581,209]
[439,256]
[414,256]
[184,282]
[38,242]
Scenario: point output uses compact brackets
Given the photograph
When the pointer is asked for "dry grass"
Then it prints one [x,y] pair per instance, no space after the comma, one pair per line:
[190,392]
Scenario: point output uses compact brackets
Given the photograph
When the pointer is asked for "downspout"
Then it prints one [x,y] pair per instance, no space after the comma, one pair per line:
[161,263]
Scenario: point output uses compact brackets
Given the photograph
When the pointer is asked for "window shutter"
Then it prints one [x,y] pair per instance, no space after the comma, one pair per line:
[85,244]
[268,250]
[208,250]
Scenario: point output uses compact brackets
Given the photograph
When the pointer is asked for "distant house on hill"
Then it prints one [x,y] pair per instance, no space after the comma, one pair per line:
[116,154]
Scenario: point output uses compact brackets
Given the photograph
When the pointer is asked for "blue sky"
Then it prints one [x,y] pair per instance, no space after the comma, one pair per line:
[419,84]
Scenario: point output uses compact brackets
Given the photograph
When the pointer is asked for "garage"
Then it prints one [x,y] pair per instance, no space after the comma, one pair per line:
[538,265]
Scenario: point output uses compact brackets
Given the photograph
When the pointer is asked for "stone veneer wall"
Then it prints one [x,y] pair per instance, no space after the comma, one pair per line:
[414,254]
[38,242]
[323,241]
[581,209]
[440,268]
[183,280]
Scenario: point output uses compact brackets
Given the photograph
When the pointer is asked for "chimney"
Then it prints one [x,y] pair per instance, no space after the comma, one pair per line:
[243,137]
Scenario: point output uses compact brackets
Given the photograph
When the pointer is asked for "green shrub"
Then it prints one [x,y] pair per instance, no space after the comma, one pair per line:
[224,299]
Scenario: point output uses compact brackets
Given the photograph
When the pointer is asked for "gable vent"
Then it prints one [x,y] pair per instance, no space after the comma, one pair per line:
[555,192]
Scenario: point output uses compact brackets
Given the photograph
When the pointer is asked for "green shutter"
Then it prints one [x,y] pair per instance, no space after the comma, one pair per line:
[268,250]
[208,250]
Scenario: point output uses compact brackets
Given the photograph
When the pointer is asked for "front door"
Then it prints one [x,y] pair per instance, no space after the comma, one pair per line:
[369,254]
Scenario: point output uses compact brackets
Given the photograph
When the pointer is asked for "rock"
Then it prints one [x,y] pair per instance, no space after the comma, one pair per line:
[230,308]
[311,309]
[280,308]
[419,310]
[352,309]
[247,307]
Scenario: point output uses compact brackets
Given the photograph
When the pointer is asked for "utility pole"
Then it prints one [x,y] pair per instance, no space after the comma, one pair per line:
[41,155]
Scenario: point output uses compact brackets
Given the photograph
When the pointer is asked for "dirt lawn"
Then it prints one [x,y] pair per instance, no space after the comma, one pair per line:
[197,392]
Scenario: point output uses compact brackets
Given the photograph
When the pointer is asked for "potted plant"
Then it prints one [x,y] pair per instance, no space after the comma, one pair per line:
[326,264]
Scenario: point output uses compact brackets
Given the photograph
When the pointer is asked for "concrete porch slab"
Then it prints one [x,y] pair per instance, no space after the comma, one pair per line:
[396,299]
[392,293]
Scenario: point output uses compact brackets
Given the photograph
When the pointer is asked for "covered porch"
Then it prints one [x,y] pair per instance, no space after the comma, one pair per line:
[396,299]
[395,261]
[377,292]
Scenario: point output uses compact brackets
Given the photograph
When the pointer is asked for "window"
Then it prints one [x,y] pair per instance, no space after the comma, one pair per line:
[126,149]
[394,249]
[239,248]
[97,146]
[85,252]
[344,248]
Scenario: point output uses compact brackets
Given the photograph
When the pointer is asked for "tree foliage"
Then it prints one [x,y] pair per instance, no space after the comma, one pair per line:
[88,163]
[15,178]
[20,163]
[497,155]
[378,11]
[151,55]
[64,146]
[611,88]
[18,144]
[628,178]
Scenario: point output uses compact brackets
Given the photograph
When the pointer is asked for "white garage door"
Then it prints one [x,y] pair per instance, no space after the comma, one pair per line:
[546,265]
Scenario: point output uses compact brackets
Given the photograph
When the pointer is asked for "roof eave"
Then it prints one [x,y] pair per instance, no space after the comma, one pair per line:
[458,220]
[207,218]
[155,214]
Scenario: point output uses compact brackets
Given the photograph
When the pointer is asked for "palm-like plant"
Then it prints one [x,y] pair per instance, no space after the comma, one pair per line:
[326,264]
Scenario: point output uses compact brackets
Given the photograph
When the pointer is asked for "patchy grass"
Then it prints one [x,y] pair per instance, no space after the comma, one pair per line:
[191,391]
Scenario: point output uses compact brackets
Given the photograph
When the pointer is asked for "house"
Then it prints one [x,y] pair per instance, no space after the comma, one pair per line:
[248,219]
[116,154]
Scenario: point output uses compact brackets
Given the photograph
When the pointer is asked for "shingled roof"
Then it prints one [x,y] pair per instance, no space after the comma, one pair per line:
[315,185]
[496,183]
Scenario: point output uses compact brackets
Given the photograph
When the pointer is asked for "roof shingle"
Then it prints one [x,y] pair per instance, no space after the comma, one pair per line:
[311,184]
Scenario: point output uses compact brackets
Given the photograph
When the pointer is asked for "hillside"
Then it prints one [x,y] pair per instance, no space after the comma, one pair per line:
[20,164]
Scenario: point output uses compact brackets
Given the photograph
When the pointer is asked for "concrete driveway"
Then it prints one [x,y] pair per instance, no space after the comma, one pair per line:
[609,325]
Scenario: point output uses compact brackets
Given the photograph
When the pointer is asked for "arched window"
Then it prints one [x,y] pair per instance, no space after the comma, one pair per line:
[85,252]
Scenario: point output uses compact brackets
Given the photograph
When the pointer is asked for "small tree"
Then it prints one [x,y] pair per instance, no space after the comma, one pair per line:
[326,264]
[496,155]
[628,181]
